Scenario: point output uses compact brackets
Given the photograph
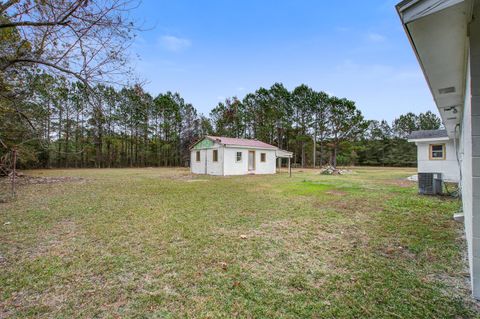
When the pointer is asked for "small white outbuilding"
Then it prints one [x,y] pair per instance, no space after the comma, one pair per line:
[217,155]
[436,154]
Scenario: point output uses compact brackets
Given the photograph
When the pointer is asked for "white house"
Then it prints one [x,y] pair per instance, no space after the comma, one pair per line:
[436,153]
[445,36]
[216,155]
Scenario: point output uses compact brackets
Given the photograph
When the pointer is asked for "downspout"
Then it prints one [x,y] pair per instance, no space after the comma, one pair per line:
[460,216]
[456,146]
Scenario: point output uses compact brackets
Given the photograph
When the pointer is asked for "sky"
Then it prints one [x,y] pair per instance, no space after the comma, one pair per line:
[213,49]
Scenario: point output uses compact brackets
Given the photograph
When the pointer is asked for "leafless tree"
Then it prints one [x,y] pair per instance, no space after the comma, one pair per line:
[85,40]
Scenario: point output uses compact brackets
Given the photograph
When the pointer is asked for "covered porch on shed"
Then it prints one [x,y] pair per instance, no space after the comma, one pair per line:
[281,154]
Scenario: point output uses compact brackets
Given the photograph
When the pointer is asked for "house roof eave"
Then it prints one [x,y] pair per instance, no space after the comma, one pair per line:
[437,33]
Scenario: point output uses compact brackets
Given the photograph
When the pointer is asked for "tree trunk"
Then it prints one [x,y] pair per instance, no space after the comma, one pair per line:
[82,156]
[98,138]
[67,137]
[136,147]
[303,154]
[130,158]
[145,149]
[49,116]
[77,131]
[59,151]
[98,150]
[334,155]
[321,153]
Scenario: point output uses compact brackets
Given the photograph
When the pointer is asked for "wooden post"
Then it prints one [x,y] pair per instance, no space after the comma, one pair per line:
[14,171]
[289,167]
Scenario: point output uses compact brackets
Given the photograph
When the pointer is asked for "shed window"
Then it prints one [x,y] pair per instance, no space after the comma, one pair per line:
[239,156]
[437,151]
[197,156]
[263,157]
[215,155]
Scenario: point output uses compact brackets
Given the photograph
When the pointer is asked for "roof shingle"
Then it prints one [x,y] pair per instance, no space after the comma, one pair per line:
[427,134]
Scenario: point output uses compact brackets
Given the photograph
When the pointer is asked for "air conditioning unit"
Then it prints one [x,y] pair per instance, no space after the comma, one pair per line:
[430,183]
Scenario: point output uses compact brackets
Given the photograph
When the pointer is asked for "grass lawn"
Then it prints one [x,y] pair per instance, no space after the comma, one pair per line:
[159,243]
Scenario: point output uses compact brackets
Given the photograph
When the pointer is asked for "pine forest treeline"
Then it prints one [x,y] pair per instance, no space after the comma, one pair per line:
[128,127]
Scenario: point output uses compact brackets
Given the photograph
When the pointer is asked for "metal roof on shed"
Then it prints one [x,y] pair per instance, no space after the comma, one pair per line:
[240,142]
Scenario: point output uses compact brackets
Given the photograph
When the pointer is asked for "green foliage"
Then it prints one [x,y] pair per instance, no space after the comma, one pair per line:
[405,124]
[62,124]
[429,121]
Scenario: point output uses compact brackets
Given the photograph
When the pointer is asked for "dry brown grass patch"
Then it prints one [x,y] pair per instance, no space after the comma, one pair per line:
[299,246]
[56,241]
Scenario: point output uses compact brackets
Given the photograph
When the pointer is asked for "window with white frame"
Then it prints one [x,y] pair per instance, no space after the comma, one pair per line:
[239,156]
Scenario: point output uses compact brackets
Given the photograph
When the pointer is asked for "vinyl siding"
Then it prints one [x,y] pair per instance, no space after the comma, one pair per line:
[448,166]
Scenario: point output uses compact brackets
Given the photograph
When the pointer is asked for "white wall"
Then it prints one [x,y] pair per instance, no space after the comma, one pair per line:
[227,161]
[471,175]
[448,167]
[267,167]
[197,167]
[232,167]
[206,156]
[465,151]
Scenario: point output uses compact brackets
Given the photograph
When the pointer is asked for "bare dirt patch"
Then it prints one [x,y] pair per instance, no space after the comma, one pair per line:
[394,250]
[352,206]
[196,180]
[26,180]
[32,180]
[399,182]
[336,193]
[185,177]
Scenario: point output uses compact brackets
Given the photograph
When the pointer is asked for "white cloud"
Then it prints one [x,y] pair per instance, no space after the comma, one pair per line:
[174,44]
[375,37]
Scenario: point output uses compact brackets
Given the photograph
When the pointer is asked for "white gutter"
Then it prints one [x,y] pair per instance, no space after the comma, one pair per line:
[412,10]
[250,147]
[436,139]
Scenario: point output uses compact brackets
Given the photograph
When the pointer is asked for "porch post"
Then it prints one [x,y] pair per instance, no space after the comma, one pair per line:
[289,167]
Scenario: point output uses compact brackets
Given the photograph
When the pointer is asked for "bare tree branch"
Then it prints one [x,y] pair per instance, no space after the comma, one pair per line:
[6,5]
[33,24]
